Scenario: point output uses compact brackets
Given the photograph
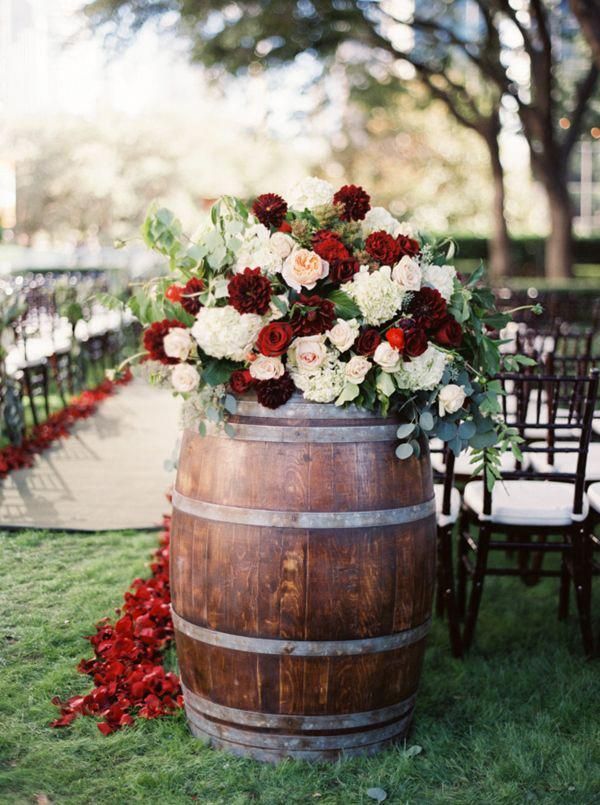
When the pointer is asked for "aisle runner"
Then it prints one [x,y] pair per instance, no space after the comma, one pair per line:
[127,670]
[109,474]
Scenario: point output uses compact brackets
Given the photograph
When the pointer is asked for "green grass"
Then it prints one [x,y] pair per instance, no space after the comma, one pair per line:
[517,722]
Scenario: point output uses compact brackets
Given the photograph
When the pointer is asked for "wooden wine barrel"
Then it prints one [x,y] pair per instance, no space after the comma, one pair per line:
[302,572]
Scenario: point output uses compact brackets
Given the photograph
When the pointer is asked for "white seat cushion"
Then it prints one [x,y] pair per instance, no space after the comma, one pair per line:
[596,426]
[446,519]
[565,462]
[594,496]
[535,503]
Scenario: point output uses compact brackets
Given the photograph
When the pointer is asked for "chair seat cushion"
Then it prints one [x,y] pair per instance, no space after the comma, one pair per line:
[535,503]
[446,519]
[565,462]
[594,496]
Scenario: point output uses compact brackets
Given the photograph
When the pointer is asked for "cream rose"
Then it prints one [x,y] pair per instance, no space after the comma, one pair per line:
[281,244]
[309,352]
[303,268]
[451,399]
[357,369]
[178,343]
[266,368]
[407,273]
[387,357]
[184,378]
[344,333]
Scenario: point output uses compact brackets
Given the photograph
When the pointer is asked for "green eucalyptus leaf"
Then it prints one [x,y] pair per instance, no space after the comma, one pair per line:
[426,421]
[404,431]
[467,429]
[404,450]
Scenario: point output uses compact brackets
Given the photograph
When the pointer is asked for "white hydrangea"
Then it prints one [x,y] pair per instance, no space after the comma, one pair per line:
[309,193]
[378,219]
[258,250]
[224,333]
[441,278]
[324,384]
[422,373]
[377,295]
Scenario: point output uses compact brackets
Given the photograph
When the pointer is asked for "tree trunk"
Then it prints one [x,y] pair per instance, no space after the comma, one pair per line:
[559,244]
[500,260]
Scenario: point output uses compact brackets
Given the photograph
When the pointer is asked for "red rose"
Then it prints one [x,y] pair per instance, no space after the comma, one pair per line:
[329,246]
[428,308]
[415,338]
[270,209]
[449,333]
[250,292]
[285,227]
[368,341]
[275,338]
[395,337]
[356,201]
[190,300]
[407,246]
[383,248]
[173,293]
[240,381]
[343,270]
[154,338]
[313,315]
[273,393]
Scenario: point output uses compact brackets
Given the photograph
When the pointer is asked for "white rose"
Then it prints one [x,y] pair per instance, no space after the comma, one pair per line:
[184,378]
[451,399]
[387,357]
[441,278]
[303,268]
[343,334]
[357,369]
[310,192]
[309,352]
[281,244]
[378,219]
[266,368]
[178,343]
[407,273]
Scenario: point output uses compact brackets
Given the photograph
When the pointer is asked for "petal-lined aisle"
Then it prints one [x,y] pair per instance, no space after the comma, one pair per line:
[109,474]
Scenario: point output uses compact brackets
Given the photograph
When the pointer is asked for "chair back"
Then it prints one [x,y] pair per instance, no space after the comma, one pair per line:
[554,405]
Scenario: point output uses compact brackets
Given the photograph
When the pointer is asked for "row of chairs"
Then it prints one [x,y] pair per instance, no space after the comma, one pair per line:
[541,505]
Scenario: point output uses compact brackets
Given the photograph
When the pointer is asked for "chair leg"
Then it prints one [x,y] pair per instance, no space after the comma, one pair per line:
[582,581]
[446,586]
[477,585]
[462,550]
[565,588]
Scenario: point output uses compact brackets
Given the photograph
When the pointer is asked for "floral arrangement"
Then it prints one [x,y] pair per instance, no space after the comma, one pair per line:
[324,295]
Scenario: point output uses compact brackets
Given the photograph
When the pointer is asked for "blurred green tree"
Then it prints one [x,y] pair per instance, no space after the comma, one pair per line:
[524,56]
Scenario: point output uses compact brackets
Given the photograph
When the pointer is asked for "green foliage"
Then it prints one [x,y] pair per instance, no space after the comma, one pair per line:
[345,308]
[506,739]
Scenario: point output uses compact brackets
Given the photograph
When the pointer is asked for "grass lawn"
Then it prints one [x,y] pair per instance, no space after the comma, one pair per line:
[517,722]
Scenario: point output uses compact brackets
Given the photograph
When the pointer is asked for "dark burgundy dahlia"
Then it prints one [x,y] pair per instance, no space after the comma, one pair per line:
[154,337]
[382,247]
[449,333]
[273,393]
[250,292]
[415,338]
[270,209]
[190,299]
[428,308]
[312,316]
[356,201]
